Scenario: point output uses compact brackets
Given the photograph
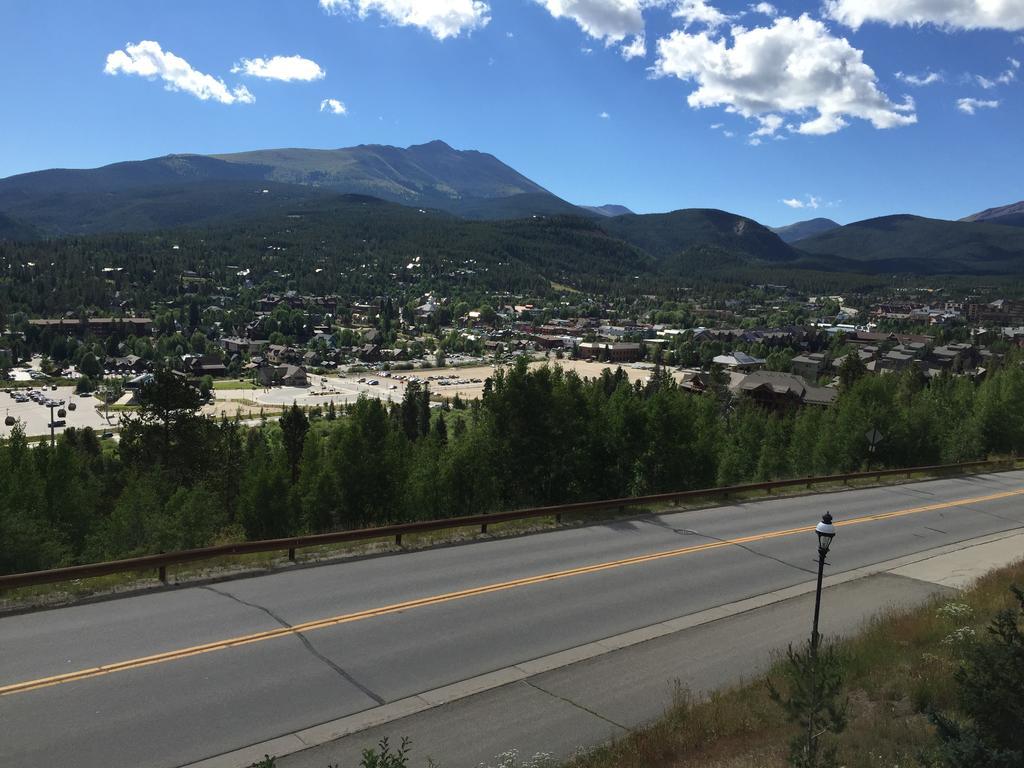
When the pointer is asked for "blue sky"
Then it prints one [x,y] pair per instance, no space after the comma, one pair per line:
[654,104]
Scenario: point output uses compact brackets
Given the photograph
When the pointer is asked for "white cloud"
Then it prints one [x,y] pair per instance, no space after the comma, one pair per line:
[716,126]
[926,79]
[604,116]
[970,106]
[442,18]
[608,20]
[793,66]
[808,202]
[1005,77]
[949,14]
[728,134]
[769,125]
[147,59]
[285,68]
[335,107]
[636,49]
[765,9]
[699,12]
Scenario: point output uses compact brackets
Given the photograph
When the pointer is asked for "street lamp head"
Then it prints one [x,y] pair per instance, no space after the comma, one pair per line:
[826,532]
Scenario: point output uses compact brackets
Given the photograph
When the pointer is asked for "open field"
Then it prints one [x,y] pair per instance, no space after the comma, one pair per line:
[466,382]
[236,397]
[233,384]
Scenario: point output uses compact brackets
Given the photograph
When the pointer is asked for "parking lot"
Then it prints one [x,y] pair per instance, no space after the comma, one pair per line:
[35,418]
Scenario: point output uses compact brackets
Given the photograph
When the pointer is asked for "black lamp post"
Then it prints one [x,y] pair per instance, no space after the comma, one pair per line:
[826,532]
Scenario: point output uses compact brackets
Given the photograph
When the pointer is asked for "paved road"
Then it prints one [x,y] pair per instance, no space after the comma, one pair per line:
[229,672]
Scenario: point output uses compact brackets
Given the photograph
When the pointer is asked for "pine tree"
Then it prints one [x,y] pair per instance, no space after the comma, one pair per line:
[991,696]
[812,698]
[294,426]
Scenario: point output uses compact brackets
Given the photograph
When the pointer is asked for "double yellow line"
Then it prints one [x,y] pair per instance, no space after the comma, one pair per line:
[310,626]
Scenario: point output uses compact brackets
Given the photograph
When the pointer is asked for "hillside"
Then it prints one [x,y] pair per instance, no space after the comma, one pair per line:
[12,229]
[801,230]
[354,244]
[1008,215]
[669,236]
[433,175]
[913,244]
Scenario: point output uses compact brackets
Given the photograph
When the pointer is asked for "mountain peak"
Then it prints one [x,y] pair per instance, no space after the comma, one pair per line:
[436,144]
[800,230]
[608,209]
[1012,215]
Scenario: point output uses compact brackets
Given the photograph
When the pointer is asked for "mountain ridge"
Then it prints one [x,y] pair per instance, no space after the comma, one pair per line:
[915,244]
[432,175]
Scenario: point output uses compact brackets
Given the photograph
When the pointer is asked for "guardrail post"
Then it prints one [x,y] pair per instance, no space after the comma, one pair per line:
[162,573]
[558,518]
[291,555]
[483,527]
[398,539]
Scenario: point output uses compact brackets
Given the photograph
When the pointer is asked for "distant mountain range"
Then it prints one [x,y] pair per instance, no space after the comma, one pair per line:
[1009,215]
[917,245]
[800,230]
[607,210]
[183,190]
[224,190]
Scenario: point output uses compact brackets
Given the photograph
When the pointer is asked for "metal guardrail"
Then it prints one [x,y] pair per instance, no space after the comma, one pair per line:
[160,562]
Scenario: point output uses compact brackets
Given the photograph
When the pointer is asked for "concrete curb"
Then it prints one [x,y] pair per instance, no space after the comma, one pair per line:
[361,721]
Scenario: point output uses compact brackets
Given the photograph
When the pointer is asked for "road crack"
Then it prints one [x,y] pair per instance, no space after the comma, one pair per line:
[577,705]
[304,640]
[691,532]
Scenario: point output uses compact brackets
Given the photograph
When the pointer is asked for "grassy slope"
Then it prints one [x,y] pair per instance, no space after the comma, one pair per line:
[897,669]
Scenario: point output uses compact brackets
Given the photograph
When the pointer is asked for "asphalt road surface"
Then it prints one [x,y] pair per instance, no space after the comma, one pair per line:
[173,677]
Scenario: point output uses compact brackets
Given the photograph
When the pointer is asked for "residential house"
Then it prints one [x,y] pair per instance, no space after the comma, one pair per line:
[738,361]
[783,391]
[237,345]
[810,365]
[268,375]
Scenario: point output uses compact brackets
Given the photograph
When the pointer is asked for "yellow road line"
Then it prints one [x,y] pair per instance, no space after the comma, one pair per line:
[332,621]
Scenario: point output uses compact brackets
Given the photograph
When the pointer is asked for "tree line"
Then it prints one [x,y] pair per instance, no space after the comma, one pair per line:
[537,436]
